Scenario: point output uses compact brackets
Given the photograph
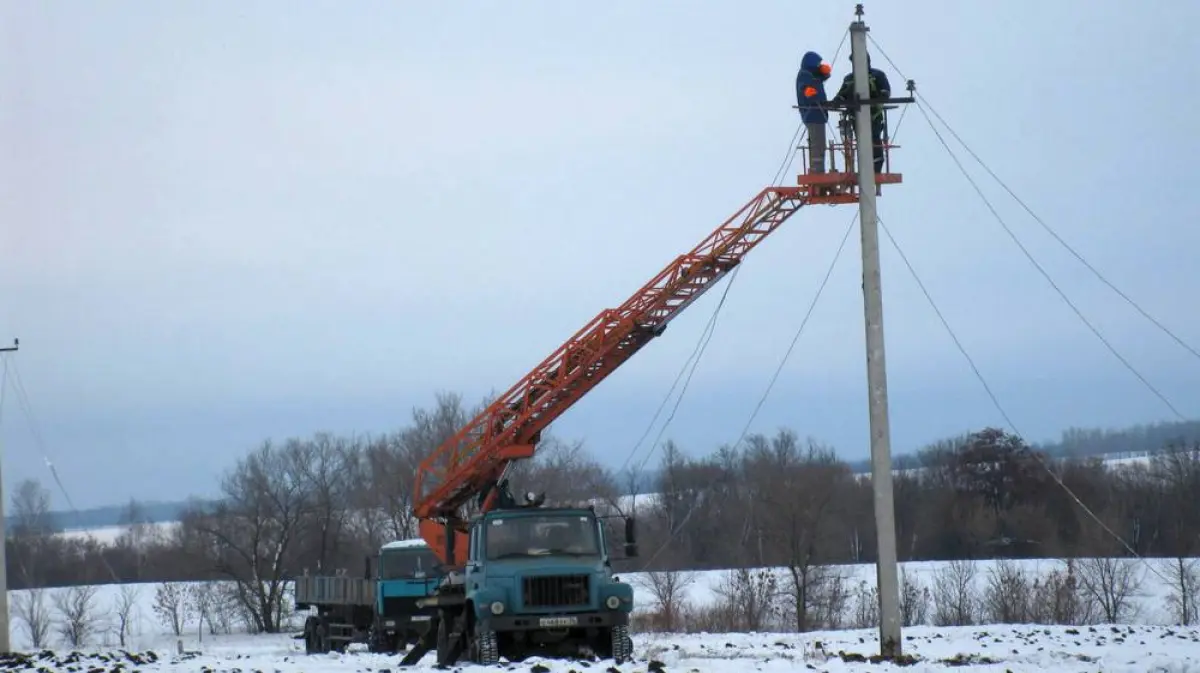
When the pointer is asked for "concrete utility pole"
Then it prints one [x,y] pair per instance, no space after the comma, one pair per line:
[5,641]
[886,571]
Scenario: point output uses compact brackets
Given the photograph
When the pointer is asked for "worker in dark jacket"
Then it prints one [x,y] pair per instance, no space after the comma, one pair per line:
[879,88]
[810,98]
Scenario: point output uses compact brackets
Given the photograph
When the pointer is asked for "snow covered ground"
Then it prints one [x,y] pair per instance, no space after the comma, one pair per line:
[1018,649]
[1148,643]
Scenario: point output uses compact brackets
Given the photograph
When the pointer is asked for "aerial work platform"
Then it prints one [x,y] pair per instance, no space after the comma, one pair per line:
[839,183]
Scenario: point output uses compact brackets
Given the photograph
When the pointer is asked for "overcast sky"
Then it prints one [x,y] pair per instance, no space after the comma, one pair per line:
[223,222]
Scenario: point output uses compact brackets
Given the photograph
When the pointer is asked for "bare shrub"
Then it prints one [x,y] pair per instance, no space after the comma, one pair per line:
[1057,599]
[170,604]
[202,601]
[749,597]
[914,600]
[719,617]
[828,598]
[956,602]
[31,611]
[79,620]
[1110,584]
[866,606]
[1184,599]
[1006,600]
[124,610]
[669,593]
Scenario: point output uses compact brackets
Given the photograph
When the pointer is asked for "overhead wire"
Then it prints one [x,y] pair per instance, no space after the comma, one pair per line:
[923,102]
[689,366]
[22,396]
[971,362]
[1037,265]
[996,401]
[774,377]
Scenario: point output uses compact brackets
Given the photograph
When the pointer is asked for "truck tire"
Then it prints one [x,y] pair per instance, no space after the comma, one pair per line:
[485,648]
[622,645]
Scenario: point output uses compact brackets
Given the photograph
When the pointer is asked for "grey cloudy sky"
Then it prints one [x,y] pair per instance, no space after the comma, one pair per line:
[221,222]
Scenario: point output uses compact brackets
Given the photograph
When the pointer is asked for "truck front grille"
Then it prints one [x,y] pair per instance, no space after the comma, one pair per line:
[398,606]
[553,591]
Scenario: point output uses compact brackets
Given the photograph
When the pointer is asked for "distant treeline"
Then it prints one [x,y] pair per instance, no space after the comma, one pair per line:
[102,517]
[1075,442]
[326,502]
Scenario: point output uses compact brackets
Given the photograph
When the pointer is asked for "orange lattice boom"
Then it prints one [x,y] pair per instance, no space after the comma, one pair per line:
[471,462]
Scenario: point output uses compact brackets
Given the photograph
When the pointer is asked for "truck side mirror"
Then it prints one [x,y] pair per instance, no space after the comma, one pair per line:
[367,571]
[631,548]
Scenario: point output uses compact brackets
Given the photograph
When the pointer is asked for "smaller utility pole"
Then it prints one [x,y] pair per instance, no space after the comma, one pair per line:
[5,641]
[886,566]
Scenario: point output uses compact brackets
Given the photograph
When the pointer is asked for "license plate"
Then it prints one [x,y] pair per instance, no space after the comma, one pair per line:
[420,618]
[558,621]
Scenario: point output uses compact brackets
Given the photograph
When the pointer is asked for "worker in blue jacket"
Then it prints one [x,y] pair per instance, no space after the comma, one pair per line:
[810,98]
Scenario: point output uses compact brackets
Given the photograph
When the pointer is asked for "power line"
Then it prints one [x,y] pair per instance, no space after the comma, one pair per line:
[706,336]
[758,407]
[1046,275]
[26,408]
[999,407]
[1194,351]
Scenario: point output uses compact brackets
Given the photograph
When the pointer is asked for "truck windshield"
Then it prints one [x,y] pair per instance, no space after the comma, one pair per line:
[396,564]
[510,537]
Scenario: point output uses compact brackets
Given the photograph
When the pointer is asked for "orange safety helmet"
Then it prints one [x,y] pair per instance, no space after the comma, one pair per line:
[825,68]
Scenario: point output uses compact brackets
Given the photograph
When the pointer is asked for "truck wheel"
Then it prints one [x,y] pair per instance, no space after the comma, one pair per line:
[622,645]
[486,648]
[321,637]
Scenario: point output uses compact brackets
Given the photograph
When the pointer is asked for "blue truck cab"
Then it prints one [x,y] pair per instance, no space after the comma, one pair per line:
[407,571]
[536,581]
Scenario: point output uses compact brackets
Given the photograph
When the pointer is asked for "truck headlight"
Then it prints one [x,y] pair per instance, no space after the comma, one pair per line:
[497,608]
[612,602]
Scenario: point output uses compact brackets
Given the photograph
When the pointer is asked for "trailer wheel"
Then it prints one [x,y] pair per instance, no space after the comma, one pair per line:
[321,644]
[310,641]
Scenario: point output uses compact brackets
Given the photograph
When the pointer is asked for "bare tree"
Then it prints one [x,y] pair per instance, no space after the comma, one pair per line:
[249,537]
[1184,599]
[31,510]
[392,461]
[797,489]
[566,474]
[1008,596]
[170,604]
[124,611]
[955,598]
[668,590]
[328,469]
[31,612]
[78,617]
[138,538]
[1110,584]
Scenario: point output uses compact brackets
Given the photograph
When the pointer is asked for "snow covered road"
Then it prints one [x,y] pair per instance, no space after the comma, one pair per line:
[1019,649]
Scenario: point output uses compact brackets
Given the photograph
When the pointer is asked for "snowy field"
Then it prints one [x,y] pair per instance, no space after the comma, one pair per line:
[1146,642]
[1019,649]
